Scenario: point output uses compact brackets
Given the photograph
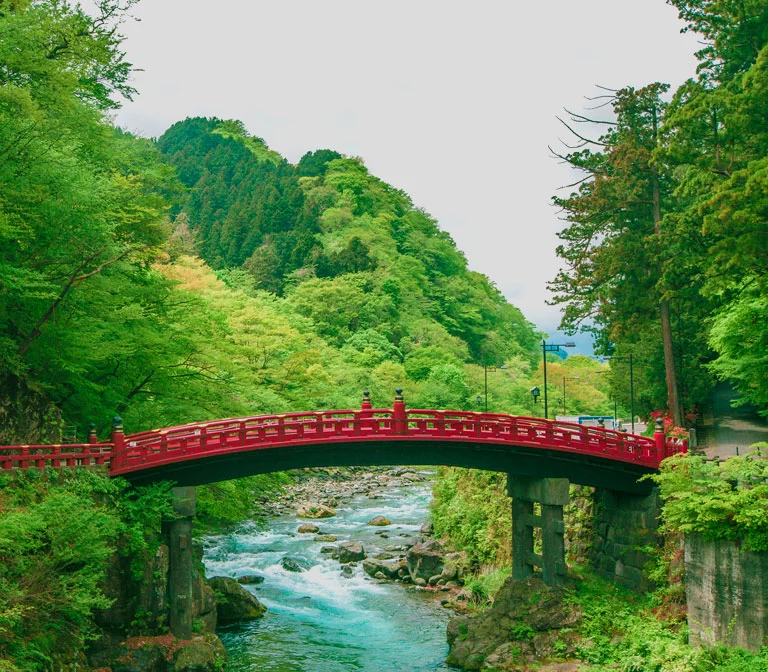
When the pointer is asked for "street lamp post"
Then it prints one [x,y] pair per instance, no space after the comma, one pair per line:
[545,348]
[486,369]
[631,387]
[485,372]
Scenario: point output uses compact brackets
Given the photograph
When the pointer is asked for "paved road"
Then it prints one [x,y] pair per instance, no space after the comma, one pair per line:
[731,431]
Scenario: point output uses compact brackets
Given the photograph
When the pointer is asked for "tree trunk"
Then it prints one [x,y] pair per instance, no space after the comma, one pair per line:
[673,397]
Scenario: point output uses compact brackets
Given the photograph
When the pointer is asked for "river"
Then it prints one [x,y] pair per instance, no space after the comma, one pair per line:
[321,620]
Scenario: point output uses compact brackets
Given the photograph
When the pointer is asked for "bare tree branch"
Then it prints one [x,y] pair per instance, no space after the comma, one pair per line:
[587,120]
[581,137]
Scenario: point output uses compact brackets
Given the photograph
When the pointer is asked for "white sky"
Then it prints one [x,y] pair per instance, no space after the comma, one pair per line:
[454,103]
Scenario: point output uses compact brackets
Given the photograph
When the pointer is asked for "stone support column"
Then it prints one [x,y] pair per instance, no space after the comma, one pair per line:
[522,538]
[552,494]
[553,568]
[180,570]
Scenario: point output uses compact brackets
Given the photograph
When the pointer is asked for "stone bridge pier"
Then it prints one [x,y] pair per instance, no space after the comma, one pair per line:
[625,531]
[551,495]
[180,565]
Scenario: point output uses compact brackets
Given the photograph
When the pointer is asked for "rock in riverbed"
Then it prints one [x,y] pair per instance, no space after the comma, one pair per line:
[315,510]
[351,551]
[293,565]
[379,521]
[425,560]
[233,602]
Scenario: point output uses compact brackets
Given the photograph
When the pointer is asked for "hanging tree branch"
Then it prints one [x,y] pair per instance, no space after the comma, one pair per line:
[75,279]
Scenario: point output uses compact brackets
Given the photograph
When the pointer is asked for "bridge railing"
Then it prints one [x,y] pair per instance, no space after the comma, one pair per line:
[523,430]
[158,447]
[247,433]
[59,455]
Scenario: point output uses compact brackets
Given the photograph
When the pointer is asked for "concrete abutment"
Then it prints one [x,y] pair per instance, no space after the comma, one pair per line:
[726,591]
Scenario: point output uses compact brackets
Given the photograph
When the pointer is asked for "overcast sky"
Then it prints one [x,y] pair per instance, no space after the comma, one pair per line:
[454,103]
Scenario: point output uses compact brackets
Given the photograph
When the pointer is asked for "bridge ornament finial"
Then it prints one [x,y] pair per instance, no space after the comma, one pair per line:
[118,438]
[366,405]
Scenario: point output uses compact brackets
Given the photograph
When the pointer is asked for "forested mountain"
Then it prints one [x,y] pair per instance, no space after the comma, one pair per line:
[665,249]
[346,249]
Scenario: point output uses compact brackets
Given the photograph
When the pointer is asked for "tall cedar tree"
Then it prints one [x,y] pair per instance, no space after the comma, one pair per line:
[610,245]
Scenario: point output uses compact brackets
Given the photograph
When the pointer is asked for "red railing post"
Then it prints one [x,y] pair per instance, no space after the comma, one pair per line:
[660,439]
[92,438]
[118,441]
[399,416]
[366,412]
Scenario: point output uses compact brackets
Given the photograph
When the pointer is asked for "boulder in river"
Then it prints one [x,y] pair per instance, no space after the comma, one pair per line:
[389,570]
[425,560]
[379,521]
[351,551]
[293,565]
[233,602]
[308,528]
[200,654]
[325,537]
[315,510]
[249,579]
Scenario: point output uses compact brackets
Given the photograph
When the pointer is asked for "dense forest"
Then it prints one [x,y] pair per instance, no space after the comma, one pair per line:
[669,218]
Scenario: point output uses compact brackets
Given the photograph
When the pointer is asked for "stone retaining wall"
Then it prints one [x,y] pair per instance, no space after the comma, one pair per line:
[623,525]
[726,593]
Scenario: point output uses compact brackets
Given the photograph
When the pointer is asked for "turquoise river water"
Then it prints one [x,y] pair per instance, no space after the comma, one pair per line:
[320,620]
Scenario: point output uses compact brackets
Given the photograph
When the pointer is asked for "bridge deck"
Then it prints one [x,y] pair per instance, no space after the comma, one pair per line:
[208,451]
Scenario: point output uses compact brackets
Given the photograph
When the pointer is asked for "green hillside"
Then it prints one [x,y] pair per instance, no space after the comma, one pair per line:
[346,249]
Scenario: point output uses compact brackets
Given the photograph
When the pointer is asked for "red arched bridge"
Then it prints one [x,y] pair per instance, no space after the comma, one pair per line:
[218,450]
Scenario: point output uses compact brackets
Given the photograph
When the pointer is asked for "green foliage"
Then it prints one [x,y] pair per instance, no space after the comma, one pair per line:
[57,534]
[742,345]
[347,250]
[718,500]
[231,502]
[471,508]
[733,32]
[620,630]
